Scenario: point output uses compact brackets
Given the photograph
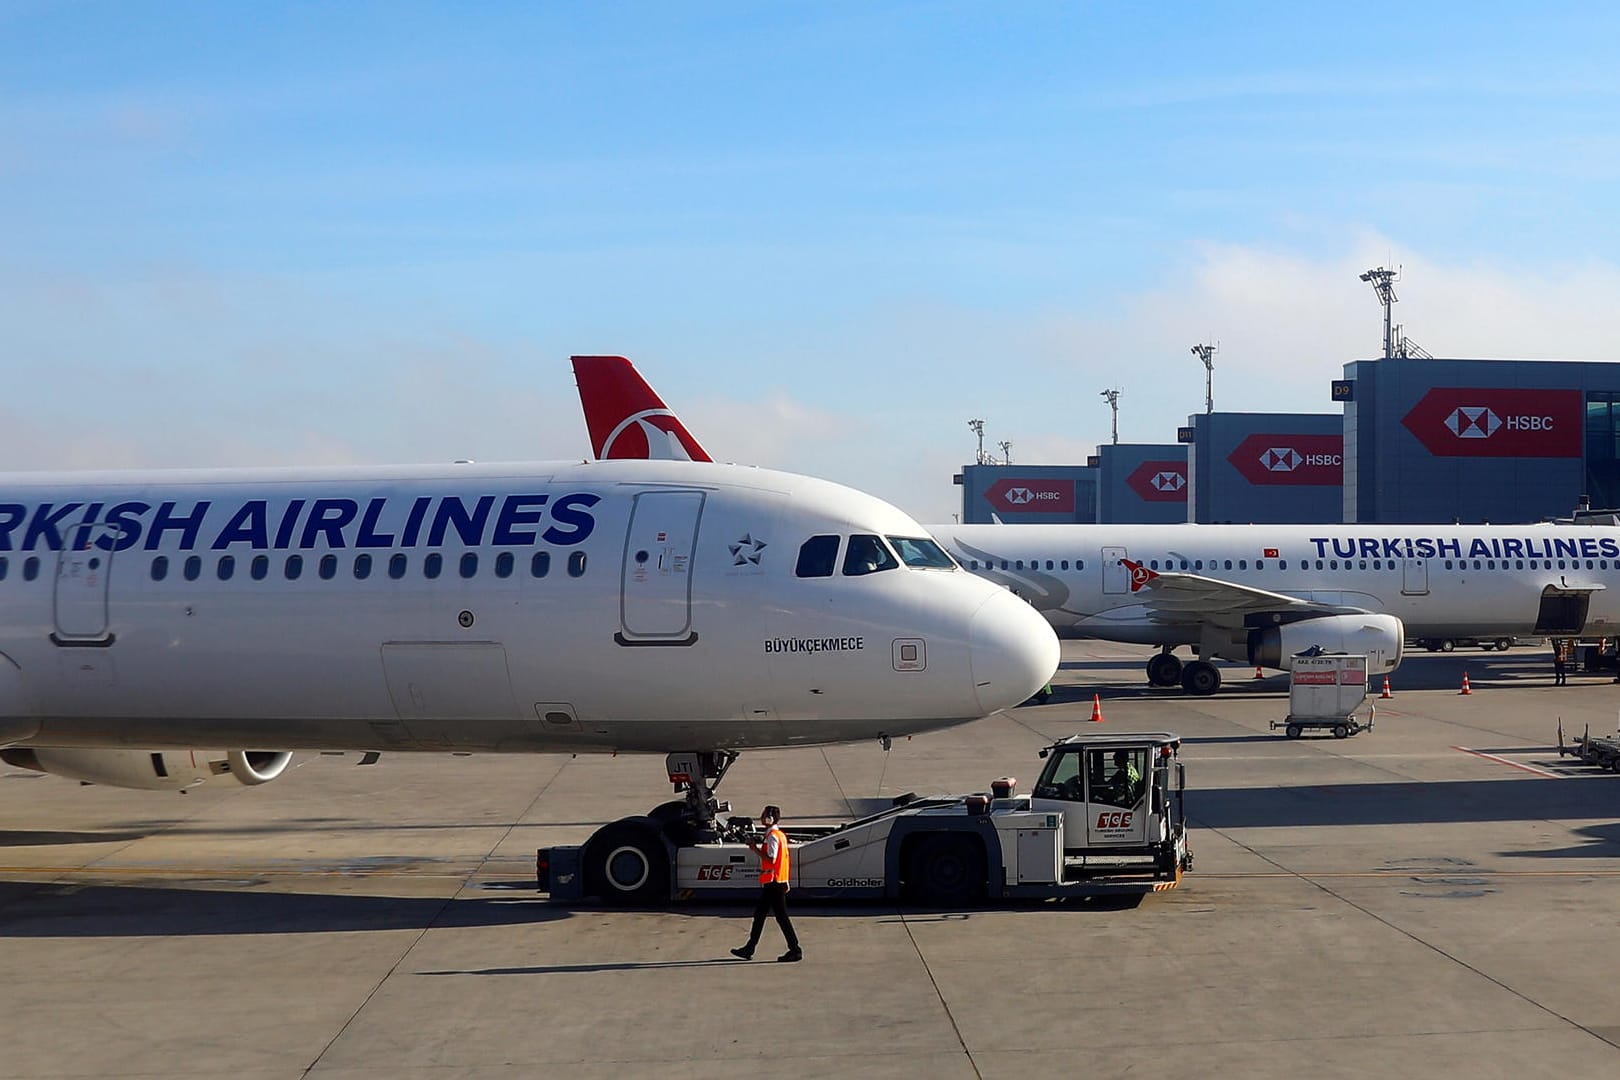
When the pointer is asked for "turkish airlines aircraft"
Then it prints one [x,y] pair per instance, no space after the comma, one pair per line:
[1258,594]
[604,606]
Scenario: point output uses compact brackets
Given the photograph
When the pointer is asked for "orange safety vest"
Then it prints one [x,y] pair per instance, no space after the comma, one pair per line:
[777,870]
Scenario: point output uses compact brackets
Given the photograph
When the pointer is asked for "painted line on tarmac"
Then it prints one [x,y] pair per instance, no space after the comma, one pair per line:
[1537,770]
[1427,872]
[224,871]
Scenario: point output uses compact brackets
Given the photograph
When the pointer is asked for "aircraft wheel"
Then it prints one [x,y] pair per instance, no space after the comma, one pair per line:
[1446,645]
[626,863]
[1504,644]
[1200,678]
[1164,669]
[945,870]
[1293,731]
[1341,731]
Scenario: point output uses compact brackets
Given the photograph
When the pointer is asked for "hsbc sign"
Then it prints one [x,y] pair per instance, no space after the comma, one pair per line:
[1159,481]
[1457,422]
[1290,459]
[1032,496]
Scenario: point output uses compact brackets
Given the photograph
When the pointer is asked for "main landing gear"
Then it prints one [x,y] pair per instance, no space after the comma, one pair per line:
[1198,677]
[628,861]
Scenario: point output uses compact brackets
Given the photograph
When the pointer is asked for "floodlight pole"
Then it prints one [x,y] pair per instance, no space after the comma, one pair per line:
[1206,353]
[1113,403]
[978,429]
[1383,282]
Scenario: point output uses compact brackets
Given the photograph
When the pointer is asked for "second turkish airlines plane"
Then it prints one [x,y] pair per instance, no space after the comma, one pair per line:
[1258,594]
[605,606]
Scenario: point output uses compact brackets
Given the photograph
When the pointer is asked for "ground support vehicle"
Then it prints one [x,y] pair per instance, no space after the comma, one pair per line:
[1600,750]
[1501,644]
[1325,692]
[1106,818]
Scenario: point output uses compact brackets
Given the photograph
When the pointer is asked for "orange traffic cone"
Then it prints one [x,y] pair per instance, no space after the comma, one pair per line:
[1465,689]
[1386,693]
[1258,673]
[1096,709]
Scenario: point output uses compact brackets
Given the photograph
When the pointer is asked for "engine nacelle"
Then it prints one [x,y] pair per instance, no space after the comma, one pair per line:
[1378,637]
[151,770]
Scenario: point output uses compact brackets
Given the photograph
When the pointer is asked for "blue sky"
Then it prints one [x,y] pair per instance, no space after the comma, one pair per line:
[830,233]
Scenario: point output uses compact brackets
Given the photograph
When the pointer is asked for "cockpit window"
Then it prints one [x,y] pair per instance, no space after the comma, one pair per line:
[867,555]
[922,552]
[818,556]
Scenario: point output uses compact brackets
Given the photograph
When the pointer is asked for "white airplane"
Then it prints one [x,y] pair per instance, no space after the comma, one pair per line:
[604,606]
[1258,594]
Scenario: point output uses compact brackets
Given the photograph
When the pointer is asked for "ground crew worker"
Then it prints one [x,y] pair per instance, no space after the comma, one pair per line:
[775,870]
[1560,659]
[1126,781]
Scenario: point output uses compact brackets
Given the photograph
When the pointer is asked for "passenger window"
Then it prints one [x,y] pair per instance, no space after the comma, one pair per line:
[817,557]
[867,555]
[193,567]
[160,568]
[1019,564]
[1259,564]
[1064,564]
[469,564]
[1229,564]
[576,564]
[398,564]
[1079,564]
[1049,564]
[328,567]
[31,568]
[362,567]
[1243,564]
[503,564]
[259,569]
[294,568]
[540,565]
[227,567]
[4,564]
[432,565]
[1282,564]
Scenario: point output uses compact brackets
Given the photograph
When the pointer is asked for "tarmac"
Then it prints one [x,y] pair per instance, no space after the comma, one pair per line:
[1437,897]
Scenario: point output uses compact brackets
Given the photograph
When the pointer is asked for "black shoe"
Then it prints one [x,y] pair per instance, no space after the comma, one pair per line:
[743,954]
[792,956]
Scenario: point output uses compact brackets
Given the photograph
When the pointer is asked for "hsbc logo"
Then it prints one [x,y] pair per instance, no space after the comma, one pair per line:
[1281,459]
[1287,459]
[1023,496]
[1168,481]
[1481,422]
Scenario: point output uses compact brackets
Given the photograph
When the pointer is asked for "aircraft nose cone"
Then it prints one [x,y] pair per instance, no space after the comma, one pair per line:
[1013,652]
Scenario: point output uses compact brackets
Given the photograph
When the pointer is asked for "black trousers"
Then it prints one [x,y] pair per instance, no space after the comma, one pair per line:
[773,898]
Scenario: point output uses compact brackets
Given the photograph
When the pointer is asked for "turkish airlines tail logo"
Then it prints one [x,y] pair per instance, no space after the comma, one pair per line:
[626,418]
[1140,575]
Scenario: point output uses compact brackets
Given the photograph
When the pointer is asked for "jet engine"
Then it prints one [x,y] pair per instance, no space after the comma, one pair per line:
[151,770]
[1378,637]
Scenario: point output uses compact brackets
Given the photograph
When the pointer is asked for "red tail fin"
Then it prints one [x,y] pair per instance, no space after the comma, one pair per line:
[626,418]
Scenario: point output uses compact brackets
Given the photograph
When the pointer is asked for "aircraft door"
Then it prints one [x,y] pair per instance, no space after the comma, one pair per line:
[1116,575]
[1415,577]
[83,571]
[656,583]
[1563,611]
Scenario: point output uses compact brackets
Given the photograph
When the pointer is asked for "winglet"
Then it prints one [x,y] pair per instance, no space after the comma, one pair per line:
[626,418]
[1140,575]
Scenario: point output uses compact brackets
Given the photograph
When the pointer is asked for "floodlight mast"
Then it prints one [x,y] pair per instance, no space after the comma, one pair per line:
[1006,452]
[978,429]
[1206,353]
[1383,282]
[1113,403]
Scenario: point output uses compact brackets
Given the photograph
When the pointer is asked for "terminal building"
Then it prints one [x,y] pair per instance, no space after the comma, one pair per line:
[1418,441]
[1264,468]
[1471,441]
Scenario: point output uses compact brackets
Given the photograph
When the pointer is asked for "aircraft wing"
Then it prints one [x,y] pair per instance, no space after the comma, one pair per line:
[1172,597]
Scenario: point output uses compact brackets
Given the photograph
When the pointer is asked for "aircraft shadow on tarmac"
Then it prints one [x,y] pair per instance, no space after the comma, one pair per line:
[1580,797]
[137,910]
[1419,671]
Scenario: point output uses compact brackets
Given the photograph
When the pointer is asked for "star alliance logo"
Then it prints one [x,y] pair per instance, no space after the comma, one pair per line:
[1168,481]
[1281,459]
[1473,422]
[746,550]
